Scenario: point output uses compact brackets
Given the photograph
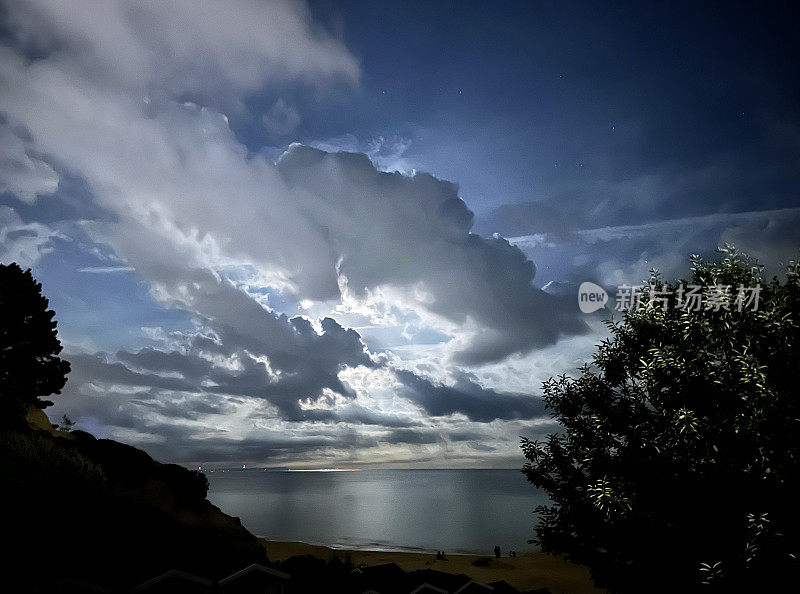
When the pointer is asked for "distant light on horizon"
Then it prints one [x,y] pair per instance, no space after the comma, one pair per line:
[321,470]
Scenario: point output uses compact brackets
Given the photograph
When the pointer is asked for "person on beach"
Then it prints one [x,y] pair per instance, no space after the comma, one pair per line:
[497,551]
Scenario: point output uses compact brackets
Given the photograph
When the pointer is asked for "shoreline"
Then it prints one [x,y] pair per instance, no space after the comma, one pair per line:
[376,547]
[527,571]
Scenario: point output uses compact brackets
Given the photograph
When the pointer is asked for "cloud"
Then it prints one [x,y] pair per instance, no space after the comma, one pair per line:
[186,196]
[106,269]
[206,396]
[127,103]
[261,356]
[387,153]
[412,234]
[21,172]
[216,387]
[527,218]
[24,243]
[192,406]
[624,254]
[281,119]
[469,398]
[209,49]
[353,413]
[772,237]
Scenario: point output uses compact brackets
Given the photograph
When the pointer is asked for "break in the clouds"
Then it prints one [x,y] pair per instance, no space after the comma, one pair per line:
[227,205]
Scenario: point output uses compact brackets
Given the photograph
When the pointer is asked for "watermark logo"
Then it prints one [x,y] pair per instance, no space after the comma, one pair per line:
[591,297]
[690,297]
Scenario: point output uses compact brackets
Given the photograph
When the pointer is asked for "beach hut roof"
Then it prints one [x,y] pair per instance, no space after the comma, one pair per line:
[427,588]
[473,588]
[250,569]
[446,581]
[383,569]
[173,574]
[503,587]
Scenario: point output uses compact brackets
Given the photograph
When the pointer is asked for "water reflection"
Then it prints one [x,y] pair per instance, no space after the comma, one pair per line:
[457,510]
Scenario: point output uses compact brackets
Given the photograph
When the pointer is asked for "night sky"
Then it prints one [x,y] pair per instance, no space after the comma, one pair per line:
[351,233]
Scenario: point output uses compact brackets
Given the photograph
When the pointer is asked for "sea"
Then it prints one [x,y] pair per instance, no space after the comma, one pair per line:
[457,511]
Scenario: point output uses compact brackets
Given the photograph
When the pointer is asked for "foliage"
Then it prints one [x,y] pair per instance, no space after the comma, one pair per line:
[29,364]
[66,424]
[676,468]
[34,462]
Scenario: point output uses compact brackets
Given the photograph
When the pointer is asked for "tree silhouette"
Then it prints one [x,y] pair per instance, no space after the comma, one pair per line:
[29,364]
[677,465]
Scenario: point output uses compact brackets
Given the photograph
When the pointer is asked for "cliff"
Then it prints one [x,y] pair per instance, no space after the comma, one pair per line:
[88,514]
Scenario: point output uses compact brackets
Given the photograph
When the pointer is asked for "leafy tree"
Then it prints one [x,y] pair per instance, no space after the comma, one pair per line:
[66,424]
[29,364]
[676,467]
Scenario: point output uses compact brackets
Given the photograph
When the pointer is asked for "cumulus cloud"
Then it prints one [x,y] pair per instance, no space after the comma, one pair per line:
[269,356]
[131,99]
[206,367]
[320,227]
[413,234]
[388,153]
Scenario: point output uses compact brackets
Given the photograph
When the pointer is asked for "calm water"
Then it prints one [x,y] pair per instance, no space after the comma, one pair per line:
[454,510]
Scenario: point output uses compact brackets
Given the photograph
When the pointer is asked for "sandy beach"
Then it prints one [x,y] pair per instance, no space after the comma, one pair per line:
[525,572]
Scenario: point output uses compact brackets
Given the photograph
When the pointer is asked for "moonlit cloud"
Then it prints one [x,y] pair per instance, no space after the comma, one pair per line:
[228,294]
[215,230]
[210,49]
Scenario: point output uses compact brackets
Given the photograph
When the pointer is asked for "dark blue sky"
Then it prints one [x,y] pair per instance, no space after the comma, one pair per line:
[522,101]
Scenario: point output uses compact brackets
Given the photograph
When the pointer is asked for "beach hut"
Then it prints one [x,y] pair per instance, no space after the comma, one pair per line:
[444,581]
[387,578]
[175,582]
[384,571]
[256,579]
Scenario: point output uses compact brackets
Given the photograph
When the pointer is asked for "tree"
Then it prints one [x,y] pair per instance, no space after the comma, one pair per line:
[66,424]
[676,466]
[29,364]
